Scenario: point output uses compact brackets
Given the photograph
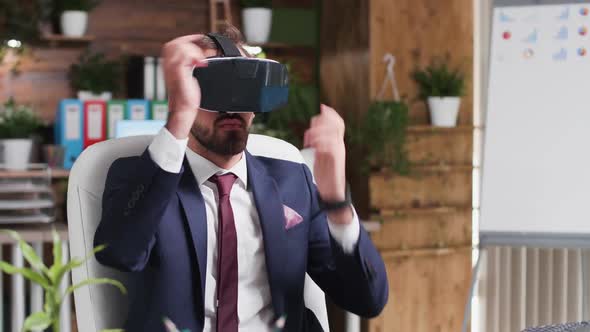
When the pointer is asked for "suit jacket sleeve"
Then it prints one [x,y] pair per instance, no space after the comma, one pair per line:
[136,194]
[357,282]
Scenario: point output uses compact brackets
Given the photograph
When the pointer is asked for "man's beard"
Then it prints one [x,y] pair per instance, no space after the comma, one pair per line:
[226,143]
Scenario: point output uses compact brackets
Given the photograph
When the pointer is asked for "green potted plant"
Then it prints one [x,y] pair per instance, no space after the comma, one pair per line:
[441,88]
[257,19]
[50,279]
[95,77]
[74,16]
[381,136]
[18,123]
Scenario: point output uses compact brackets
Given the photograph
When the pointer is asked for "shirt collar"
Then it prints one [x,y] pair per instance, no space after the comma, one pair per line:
[203,169]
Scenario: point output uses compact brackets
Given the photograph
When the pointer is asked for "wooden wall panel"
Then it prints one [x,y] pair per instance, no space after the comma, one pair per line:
[429,146]
[414,31]
[120,26]
[440,146]
[427,291]
[419,229]
[42,80]
[425,188]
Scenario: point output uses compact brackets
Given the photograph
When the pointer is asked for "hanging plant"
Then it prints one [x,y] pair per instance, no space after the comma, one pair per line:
[381,135]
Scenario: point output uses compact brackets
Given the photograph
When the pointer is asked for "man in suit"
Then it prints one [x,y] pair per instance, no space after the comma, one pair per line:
[219,240]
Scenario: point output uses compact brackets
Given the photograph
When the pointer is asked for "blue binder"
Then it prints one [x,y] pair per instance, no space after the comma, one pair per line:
[69,129]
[137,109]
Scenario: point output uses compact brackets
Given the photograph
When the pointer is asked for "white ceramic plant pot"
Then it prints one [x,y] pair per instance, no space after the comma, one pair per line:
[74,23]
[16,153]
[88,95]
[444,111]
[257,22]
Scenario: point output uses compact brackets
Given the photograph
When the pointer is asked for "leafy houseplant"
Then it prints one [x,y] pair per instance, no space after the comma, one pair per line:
[441,87]
[17,120]
[257,17]
[381,135]
[18,123]
[50,279]
[94,74]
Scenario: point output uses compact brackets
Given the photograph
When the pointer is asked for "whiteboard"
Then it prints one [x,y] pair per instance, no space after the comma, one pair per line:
[536,162]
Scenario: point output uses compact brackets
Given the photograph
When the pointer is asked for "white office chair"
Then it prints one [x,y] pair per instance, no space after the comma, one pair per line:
[102,307]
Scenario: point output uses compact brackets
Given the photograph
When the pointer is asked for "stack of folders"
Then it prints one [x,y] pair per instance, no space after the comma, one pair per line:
[80,124]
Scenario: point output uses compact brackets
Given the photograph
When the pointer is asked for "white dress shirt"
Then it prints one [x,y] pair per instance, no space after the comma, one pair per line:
[255,311]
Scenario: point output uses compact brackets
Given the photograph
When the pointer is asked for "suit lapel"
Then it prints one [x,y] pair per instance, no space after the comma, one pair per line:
[194,210]
[272,220]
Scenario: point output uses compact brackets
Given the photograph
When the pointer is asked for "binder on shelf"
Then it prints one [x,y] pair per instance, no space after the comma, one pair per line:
[115,112]
[94,122]
[137,109]
[149,78]
[160,83]
[141,77]
[68,129]
[159,110]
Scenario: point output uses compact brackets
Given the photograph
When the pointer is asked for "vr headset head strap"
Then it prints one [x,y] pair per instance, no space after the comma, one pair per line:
[226,45]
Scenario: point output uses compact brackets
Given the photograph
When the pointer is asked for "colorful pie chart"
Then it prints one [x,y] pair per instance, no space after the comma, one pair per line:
[584,11]
[582,51]
[583,31]
[506,35]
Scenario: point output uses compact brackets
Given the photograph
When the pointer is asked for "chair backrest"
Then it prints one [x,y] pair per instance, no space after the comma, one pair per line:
[102,307]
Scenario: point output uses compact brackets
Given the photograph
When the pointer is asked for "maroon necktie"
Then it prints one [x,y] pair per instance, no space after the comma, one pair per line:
[227,258]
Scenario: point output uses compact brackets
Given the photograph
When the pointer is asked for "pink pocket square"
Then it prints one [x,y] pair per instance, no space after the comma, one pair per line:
[292,218]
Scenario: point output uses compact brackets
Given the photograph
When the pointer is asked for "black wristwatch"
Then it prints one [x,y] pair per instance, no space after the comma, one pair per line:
[332,206]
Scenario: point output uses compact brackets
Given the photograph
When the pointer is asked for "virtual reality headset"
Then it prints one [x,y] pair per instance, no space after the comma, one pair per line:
[234,83]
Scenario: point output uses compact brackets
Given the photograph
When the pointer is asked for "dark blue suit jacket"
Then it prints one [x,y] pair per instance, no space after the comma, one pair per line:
[154,224]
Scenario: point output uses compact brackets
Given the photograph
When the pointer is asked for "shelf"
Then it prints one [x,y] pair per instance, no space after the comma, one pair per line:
[28,219]
[54,40]
[16,204]
[433,129]
[55,173]
[23,187]
[416,170]
[36,232]
[424,252]
[386,213]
